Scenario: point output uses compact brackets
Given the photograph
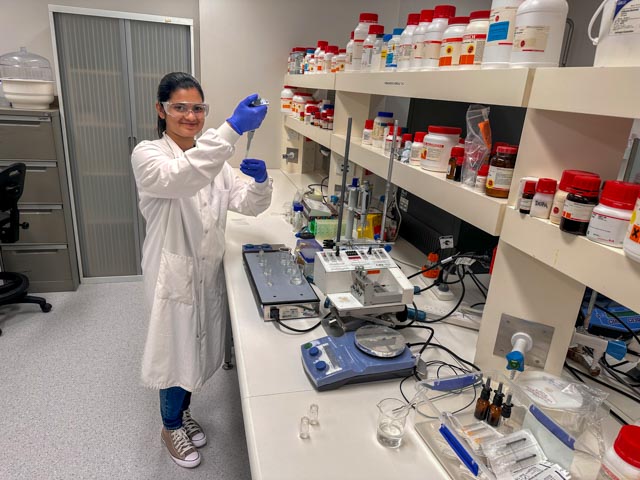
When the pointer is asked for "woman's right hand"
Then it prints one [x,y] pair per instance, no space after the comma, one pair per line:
[247,117]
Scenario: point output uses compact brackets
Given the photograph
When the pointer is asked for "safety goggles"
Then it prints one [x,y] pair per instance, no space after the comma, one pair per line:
[182,109]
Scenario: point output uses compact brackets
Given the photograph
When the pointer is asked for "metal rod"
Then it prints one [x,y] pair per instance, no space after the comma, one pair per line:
[592,303]
[345,166]
[388,186]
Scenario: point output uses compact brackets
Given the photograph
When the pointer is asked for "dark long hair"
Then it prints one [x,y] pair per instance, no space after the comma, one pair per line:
[169,84]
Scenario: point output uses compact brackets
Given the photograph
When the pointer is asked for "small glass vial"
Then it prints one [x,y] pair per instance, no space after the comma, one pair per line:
[313,414]
[483,404]
[543,199]
[456,152]
[506,426]
[495,410]
[579,205]
[527,196]
[304,428]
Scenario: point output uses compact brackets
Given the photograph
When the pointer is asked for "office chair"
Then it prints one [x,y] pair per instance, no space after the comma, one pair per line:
[14,286]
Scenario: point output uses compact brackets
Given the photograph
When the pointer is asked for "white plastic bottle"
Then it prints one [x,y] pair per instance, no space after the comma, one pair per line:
[367,46]
[384,51]
[359,36]
[618,43]
[418,150]
[376,56]
[439,142]
[367,132]
[389,141]
[406,42]
[622,460]
[379,125]
[452,42]
[348,61]
[497,51]
[543,199]
[332,51]
[474,39]
[610,219]
[538,34]
[391,64]
[426,17]
[433,35]
[320,53]
[286,99]
[338,62]
[307,59]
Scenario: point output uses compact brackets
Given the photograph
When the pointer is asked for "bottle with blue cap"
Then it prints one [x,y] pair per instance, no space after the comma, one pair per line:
[381,121]
[391,62]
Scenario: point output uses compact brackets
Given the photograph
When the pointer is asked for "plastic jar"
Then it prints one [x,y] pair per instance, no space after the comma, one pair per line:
[339,61]
[538,34]
[610,219]
[348,61]
[497,51]
[367,132]
[296,103]
[481,178]
[563,191]
[452,42]
[622,460]
[418,150]
[618,43]
[379,124]
[543,199]
[375,32]
[286,99]
[426,17]
[501,172]
[433,35]
[474,39]
[391,64]
[439,142]
[332,51]
[359,36]
[406,42]
[579,205]
[631,243]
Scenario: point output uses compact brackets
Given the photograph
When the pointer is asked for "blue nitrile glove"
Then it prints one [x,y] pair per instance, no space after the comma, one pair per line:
[254,168]
[245,117]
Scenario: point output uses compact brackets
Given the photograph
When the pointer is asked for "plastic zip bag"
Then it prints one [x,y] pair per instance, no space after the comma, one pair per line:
[477,145]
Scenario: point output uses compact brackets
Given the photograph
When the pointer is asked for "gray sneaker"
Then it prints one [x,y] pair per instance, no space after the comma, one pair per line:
[180,447]
[193,429]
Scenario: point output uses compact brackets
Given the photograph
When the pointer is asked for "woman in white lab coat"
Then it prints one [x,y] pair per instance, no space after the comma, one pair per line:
[186,188]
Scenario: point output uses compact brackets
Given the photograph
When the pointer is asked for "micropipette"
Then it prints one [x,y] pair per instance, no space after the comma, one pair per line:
[256,103]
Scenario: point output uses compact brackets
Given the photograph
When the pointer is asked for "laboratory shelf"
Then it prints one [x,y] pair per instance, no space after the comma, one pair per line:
[317,134]
[609,91]
[605,269]
[325,81]
[484,212]
[509,87]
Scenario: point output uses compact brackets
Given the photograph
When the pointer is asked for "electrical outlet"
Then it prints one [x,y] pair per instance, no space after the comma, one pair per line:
[340,166]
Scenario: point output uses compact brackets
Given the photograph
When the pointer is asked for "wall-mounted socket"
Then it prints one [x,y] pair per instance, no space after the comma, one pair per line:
[340,166]
[541,335]
[291,156]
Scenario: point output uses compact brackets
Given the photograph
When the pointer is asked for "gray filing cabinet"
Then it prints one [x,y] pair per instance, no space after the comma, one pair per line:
[46,251]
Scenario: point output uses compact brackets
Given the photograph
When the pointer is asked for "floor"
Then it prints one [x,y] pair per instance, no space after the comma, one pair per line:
[71,403]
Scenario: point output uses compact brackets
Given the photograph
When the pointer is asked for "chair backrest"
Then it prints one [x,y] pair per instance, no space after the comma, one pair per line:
[11,185]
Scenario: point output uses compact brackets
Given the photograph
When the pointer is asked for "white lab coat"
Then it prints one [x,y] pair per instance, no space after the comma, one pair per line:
[184,197]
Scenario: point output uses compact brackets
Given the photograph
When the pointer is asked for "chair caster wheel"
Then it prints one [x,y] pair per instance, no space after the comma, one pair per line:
[46,307]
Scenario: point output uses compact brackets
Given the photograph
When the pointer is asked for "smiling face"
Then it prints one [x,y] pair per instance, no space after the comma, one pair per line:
[183,128]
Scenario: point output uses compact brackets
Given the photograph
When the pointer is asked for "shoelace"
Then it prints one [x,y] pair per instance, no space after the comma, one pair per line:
[181,441]
[189,424]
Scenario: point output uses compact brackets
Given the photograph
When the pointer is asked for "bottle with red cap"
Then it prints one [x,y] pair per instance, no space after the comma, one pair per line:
[439,142]
[579,205]
[563,191]
[631,243]
[319,54]
[332,51]
[610,219]
[406,42]
[348,51]
[433,35]
[501,170]
[367,132]
[426,17]
[543,199]
[528,192]
[374,39]
[452,42]
[456,154]
[481,178]
[359,36]
[622,460]
[474,39]
[418,150]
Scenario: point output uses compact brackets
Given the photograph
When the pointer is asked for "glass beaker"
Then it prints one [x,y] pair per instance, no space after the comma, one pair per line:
[296,275]
[392,419]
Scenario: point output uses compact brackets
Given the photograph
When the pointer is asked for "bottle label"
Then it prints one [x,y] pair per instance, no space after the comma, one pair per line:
[525,204]
[431,49]
[432,152]
[472,49]
[626,19]
[607,229]
[404,54]
[605,473]
[285,105]
[450,51]
[501,25]
[366,137]
[577,212]
[530,39]
[367,54]
[418,50]
[499,178]
[356,59]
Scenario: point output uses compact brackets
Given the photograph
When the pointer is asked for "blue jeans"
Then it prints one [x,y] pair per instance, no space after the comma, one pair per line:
[173,401]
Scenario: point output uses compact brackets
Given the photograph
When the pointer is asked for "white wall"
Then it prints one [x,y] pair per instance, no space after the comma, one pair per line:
[25,23]
[245,44]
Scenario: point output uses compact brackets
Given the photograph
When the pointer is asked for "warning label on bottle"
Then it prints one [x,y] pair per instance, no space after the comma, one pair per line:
[501,24]
[499,178]
[531,39]
[626,18]
[472,49]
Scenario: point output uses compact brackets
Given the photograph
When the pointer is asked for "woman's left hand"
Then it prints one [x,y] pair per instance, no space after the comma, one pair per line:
[254,168]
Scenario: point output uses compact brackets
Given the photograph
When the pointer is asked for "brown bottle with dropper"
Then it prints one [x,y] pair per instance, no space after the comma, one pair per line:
[495,410]
[482,405]
[507,427]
